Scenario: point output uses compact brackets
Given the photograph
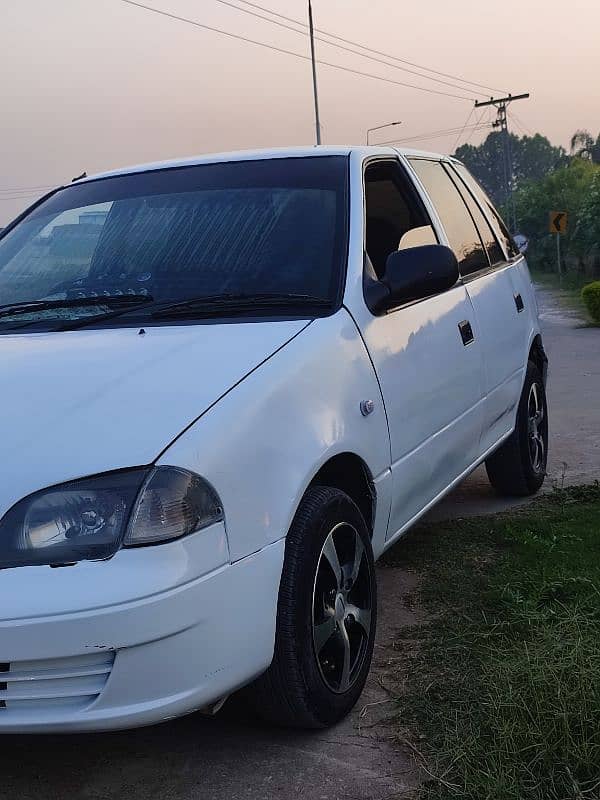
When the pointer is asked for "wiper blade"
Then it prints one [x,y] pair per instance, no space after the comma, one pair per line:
[74,302]
[214,304]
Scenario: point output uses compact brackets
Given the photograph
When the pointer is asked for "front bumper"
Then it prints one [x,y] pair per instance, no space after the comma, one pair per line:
[144,659]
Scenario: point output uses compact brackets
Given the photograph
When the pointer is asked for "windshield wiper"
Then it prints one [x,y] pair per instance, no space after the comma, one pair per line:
[240,303]
[112,300]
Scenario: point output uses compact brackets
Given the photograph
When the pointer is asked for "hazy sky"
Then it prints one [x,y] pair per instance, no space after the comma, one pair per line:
[95,84]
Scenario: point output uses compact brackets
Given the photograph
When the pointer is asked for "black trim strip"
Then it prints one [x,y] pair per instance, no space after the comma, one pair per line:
[489,270]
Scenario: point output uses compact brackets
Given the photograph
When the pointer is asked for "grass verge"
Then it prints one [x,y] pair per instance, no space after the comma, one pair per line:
[504,689]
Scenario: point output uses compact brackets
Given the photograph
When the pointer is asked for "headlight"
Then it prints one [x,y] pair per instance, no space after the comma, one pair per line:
[92,518]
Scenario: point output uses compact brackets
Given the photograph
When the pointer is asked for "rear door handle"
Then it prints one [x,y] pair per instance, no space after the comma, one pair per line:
[519,302]
[466,332]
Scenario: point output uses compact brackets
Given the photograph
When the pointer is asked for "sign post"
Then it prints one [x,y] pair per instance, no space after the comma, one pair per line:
[558,225]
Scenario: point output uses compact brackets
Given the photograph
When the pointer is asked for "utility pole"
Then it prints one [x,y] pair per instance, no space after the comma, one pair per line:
[501,104]
[314,71]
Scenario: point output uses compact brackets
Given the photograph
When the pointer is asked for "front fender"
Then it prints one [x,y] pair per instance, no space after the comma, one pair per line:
[261,444]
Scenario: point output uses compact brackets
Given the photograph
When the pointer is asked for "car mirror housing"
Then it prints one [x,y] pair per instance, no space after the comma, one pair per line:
[416,273]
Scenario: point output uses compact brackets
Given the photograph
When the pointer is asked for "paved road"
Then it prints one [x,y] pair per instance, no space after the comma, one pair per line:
[234,758]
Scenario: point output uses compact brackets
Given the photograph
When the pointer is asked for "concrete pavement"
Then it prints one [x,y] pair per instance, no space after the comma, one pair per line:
[232,757]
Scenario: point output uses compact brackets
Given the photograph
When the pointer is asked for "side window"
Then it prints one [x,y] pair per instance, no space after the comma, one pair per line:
[395,217]
[460,229]
[498,225]
[492,248]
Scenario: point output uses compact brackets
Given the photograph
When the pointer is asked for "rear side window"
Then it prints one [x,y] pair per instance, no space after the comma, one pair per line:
[492,248]
[460,229]
[498,225]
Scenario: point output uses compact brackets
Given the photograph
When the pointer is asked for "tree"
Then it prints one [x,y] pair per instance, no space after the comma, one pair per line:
[583,145]
[574,188]
[587,228]
[533,158]
[485,162]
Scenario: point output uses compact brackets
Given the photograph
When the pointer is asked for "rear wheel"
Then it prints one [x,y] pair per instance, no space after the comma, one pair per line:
[326,616]
[518,467]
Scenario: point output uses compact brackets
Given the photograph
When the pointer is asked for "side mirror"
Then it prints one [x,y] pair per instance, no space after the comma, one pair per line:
[522,243]
[416,273]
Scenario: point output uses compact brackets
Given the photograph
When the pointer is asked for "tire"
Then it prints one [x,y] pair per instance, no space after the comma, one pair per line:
[325,623]
[518,467]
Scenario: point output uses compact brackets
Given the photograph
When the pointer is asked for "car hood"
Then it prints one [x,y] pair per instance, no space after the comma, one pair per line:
[82,402]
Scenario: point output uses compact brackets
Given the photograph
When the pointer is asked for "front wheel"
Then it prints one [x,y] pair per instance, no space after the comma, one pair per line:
[518,467]
[326,616]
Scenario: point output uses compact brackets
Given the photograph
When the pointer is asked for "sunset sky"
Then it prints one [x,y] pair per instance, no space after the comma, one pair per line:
[95,84]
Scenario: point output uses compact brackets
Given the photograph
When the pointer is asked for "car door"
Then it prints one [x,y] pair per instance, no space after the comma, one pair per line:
[500,299]
[427,354]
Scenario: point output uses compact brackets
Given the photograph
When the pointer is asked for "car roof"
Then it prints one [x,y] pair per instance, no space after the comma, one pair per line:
[257,155]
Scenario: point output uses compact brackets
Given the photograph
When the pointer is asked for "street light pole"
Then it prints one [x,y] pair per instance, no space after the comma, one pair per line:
[314,71]
[380,127]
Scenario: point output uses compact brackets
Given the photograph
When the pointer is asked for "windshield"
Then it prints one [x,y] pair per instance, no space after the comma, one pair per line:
[275,226]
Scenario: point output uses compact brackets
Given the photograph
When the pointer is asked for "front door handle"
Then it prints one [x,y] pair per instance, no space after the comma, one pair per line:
[466,332]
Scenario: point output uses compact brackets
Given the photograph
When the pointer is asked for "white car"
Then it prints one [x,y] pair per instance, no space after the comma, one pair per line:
[228,385]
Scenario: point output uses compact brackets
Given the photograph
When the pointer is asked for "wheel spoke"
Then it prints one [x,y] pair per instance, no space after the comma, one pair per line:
[331,555]
[536,401]
[345,678]
[540,449]
[536,414]
[537,449]
[533,451]
[323,633]
[362,617]
[359,551]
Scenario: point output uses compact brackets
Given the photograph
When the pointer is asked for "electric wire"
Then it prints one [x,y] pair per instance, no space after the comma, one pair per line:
[524,128]
[347,49]
[26,189]
[231,35]
[373,50]
[460,135]
[482,113]
[433,134]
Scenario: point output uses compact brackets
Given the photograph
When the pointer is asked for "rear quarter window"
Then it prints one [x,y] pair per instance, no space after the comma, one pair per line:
[492,248]
[496,221]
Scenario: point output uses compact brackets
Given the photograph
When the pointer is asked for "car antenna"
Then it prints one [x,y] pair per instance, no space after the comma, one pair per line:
[79,177]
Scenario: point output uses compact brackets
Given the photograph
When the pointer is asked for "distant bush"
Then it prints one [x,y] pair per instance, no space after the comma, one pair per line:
[591,297]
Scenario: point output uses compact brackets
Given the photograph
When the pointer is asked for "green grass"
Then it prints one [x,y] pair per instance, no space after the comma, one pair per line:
[504,679]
